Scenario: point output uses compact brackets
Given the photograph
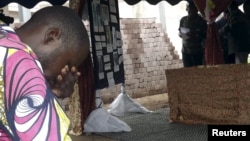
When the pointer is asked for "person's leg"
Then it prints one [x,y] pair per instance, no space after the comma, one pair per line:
[231,59]
[186,60]
[226,58]
[241,58]
[197,59]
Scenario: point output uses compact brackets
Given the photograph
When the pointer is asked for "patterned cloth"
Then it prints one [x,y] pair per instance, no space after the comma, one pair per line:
[28,108]
[75,113]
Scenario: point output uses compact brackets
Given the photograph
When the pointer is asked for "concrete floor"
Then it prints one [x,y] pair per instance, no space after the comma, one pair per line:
[150,102]
[90,138]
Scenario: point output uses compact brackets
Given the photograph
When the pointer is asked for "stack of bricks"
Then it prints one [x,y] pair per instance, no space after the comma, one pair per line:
[148,52]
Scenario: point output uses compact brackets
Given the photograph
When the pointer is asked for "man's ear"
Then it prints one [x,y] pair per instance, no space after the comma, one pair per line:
[51,35]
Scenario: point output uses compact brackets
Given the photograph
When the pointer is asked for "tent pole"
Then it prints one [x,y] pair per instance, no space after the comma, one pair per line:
[162,14]
[24,14]
[78,6]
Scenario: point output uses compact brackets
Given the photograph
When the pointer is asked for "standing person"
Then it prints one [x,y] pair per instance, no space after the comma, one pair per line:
[38,64]
[246,8]
[192,30]
[236,31]
[229,59]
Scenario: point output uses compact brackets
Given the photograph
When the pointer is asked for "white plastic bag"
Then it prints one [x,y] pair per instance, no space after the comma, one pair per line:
[100,120]
[124,104]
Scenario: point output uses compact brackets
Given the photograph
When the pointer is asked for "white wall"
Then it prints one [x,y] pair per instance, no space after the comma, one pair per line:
[169,19]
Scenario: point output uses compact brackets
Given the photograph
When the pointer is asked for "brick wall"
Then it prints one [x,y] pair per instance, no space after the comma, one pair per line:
[148,52]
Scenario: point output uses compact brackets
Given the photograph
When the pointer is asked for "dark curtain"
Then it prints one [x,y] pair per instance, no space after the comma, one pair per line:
[210,9]
[86,89]
[153,2]
[86,80]
[172,2]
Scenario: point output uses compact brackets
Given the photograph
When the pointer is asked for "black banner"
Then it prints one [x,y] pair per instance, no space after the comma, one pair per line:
[106,42]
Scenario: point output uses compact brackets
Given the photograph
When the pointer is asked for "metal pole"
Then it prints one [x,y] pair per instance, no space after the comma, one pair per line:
[24,14]
[162,14]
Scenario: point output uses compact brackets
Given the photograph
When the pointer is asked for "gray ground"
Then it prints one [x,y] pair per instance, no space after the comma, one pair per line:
[150,102]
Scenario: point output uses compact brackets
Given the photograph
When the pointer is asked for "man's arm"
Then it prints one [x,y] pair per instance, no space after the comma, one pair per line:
[64,85]
[32,110]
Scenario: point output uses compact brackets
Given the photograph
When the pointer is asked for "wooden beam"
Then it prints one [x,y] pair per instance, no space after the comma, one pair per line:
[77,5]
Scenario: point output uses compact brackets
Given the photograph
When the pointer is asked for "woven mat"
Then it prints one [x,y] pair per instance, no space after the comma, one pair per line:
[156,127]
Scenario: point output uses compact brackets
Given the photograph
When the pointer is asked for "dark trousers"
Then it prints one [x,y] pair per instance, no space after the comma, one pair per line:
[229,59]
[194,59]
